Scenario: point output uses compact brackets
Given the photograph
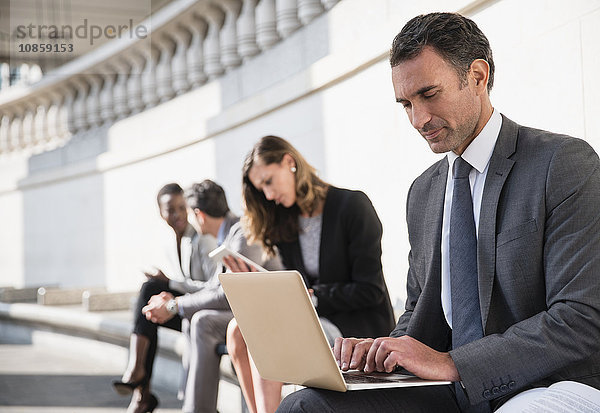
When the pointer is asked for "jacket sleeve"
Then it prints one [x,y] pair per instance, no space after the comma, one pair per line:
[203,267]
[413,291]
[365,286]
[212,296]
[413,288]
[567,332]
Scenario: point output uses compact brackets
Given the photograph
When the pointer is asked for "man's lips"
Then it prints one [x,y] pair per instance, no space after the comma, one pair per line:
[429,135]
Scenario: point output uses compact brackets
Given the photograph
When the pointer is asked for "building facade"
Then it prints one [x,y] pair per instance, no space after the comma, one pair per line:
[84,149]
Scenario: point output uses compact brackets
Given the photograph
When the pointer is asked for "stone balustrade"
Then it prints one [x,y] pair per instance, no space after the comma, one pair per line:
[189,42]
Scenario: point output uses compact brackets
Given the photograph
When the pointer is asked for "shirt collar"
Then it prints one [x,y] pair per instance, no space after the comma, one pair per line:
[479,152]
[190,231]
[221,235]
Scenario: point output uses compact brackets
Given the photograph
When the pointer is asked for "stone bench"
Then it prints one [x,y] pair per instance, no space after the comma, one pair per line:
[108,301]
[64,296]
[98,324]
[26,294]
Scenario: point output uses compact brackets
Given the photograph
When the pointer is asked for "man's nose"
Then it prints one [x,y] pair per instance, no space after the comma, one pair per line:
[420,116]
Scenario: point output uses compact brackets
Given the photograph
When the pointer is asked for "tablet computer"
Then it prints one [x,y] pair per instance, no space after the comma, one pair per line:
[223,251]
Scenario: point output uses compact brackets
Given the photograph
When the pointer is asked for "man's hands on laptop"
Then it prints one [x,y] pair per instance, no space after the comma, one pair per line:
[385,354]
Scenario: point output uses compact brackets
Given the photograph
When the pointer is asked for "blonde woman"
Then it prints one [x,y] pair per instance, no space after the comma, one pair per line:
[332,236]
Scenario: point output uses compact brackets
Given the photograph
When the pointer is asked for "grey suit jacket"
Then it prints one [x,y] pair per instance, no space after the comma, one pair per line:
[211,295]
[538,266]
[196,267]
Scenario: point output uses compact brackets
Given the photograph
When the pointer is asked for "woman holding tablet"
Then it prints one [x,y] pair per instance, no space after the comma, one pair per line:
[332,236]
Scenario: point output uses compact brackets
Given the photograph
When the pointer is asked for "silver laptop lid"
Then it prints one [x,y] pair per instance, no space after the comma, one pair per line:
[282,329]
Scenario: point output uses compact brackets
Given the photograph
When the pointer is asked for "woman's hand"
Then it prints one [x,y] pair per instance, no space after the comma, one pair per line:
[237,265]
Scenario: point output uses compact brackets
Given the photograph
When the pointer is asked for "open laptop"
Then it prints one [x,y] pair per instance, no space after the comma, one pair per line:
[285,338]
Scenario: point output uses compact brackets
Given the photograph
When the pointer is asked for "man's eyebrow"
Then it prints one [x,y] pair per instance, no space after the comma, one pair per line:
[421,91]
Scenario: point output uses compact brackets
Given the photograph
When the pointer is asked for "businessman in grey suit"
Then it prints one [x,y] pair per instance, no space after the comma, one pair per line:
[503,289]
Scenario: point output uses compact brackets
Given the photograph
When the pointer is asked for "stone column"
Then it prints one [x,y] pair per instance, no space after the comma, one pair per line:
[287,17]
[229,38]
[308,10]
[212,46]
[78,109]
[16,128]
[93,101]
[28,127]
[135,101]
[107,101]
[164,76]
[5,132]
[35,74]
[4,76]
[195,52]
[68,108]
[54,120]
[22,74]
[266,24]
[121,107]
[179,66]
[246,30]
[41,136]
[149,95]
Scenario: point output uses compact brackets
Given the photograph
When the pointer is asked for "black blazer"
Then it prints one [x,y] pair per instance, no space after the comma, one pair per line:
[351,289]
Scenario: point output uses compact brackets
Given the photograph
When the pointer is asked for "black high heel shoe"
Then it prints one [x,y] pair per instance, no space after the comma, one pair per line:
[152,403]
[126,388]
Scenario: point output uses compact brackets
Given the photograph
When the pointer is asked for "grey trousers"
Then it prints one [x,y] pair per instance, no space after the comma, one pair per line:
[204,331]
[426,399]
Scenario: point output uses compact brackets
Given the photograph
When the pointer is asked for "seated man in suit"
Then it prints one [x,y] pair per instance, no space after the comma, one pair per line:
[205,312]
[188,264]
[503,291]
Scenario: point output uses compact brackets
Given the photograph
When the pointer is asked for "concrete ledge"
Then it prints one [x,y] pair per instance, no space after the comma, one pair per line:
[62,296]
[27,294]
[105,301]
[112,327]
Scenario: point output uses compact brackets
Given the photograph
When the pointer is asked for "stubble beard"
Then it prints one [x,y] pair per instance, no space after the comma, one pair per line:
[454,137]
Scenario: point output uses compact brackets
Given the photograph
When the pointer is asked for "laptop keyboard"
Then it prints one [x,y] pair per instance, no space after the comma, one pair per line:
[358,377]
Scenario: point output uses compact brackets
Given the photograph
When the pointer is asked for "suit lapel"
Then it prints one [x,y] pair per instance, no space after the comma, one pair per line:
[433,223]
[499,168]
[186,255]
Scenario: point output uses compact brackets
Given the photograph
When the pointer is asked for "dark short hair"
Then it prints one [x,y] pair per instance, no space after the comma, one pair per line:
[169,189]
[208,197]
[456,38]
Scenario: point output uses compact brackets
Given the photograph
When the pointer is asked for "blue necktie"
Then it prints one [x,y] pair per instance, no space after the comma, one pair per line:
[466,314]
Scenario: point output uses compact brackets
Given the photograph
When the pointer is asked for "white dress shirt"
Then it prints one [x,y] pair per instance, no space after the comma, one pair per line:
[478,155]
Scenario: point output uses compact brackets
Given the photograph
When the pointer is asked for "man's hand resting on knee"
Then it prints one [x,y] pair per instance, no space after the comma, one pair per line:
[156,310]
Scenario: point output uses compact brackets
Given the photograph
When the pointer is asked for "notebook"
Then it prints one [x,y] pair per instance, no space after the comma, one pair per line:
[285,338]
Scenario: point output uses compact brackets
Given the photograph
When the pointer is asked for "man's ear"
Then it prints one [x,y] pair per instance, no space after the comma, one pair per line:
[201,216]
[480,71]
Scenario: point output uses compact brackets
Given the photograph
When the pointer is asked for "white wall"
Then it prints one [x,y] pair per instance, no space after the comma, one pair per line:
[328,90]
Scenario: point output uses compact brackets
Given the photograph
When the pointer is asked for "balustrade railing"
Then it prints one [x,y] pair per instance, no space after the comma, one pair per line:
[190,42]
